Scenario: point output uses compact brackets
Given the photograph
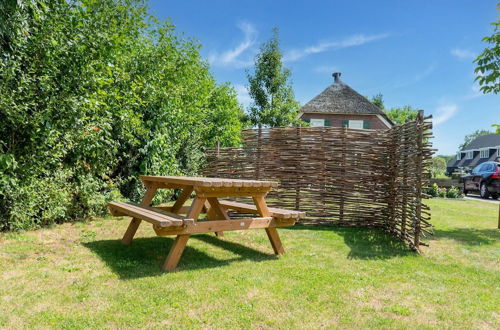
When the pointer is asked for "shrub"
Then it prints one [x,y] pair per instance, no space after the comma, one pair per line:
[433,190]
[454,192]
[441,192]
[93,94]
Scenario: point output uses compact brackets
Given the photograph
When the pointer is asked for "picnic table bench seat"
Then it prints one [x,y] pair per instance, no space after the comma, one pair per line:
[152,215]
[275,212]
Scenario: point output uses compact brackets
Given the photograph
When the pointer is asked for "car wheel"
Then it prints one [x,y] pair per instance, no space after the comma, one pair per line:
[483,191]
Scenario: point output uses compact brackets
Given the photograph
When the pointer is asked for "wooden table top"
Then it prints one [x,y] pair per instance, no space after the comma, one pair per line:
[207,182]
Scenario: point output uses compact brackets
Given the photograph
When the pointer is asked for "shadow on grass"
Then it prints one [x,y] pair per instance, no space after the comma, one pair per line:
[145,256]
[469,236]
[365,243]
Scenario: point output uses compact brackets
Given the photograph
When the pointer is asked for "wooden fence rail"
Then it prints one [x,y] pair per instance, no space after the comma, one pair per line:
[339,175]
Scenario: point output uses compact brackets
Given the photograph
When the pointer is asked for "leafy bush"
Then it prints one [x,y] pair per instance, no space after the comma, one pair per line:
[433,191]
[441,192]
[93,94]
[454,192]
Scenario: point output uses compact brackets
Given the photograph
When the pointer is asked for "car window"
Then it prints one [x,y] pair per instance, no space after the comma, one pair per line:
[487,168]
[477,169]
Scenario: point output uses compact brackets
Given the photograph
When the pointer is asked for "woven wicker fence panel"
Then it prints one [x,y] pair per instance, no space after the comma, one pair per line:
[339,175]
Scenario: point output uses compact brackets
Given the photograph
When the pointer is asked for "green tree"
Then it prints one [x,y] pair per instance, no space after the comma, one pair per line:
[92,95]
[470,137]
[488,62]
[402,115]
[437,167]
[497,128]
[447,158]
[399,115]
[378,100]
[273,98]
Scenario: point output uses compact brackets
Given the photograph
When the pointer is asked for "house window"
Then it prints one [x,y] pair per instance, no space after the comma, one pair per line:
[498,152]
[468,154]
[356,124]
[317,122]
[484,153]
[459,155]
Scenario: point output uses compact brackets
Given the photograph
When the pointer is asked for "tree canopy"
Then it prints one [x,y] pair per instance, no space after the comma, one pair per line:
[488,62]
[399,115]
[437,166]
[274,103]
[93,94]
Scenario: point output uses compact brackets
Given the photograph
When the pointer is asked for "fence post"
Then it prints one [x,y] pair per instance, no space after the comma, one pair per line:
[298,179]
[259,136]
[418,176]
[343,168]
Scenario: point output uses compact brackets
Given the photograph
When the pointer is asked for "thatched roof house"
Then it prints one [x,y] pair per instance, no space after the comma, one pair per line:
[339,105]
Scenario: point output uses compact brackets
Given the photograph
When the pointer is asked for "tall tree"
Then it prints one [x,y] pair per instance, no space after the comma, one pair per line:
[437,166]
[468,138]
[488,63]
[399,115]
[274,103]
[378,100]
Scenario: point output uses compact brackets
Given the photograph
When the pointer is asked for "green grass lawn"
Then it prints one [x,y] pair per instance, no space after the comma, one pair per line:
[80,276]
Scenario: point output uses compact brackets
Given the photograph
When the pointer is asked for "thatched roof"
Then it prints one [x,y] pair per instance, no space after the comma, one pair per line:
[339,98]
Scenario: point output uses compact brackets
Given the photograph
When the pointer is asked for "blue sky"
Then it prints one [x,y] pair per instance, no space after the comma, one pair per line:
[416,53]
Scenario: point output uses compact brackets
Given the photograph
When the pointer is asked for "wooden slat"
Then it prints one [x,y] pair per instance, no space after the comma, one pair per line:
[156,217]
[183,210]
[275,212]
[207,182]
[224,225]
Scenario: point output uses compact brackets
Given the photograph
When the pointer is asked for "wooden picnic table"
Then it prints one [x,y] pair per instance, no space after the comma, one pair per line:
[182,221]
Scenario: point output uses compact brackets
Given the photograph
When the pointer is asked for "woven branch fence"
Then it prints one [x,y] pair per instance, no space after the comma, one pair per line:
[340,176]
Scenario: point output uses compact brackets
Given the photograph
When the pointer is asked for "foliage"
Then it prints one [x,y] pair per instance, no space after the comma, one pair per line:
[378,100]
[274,103]
[399,115]
[436,191]
[437,167]
[497,128]
[402,115]
[441,192]
[446,158]
[470,137]
[433,190]
[453,192]
[92,94]
[488,62]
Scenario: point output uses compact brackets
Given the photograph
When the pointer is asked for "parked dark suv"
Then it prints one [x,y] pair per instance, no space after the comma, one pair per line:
[484,178]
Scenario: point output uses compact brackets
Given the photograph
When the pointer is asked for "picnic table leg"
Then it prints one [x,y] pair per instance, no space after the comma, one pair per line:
[183,197]
[181,240]
[216,212]
[134,223]
[272,233]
